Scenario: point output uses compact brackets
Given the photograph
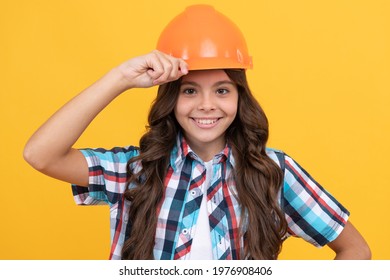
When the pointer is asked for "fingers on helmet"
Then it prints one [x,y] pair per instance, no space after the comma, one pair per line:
[167,68]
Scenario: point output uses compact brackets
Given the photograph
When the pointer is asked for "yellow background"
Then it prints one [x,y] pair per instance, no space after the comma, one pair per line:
[321,72]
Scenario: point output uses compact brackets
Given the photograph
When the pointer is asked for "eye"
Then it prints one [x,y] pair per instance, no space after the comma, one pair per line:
[222,91]
[189,91]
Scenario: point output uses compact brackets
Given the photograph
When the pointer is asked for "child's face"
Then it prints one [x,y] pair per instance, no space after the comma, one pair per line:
[206,106]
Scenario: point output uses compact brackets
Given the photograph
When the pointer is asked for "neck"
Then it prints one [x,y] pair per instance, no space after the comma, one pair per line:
[206,151]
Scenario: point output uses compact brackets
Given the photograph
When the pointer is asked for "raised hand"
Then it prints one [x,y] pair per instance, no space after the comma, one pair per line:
[154,68]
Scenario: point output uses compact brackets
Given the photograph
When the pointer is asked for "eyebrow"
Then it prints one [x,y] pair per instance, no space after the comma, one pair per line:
[191,83]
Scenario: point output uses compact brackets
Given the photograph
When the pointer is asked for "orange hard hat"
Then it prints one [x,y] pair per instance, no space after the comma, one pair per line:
[205,39]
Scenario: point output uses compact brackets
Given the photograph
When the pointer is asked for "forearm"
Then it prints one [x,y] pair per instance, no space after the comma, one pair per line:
[59,133]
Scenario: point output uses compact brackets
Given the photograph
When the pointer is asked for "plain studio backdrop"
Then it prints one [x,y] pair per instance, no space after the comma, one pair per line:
[321,72]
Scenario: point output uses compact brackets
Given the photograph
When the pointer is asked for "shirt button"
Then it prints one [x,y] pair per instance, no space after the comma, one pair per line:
[193,192]
[184,231]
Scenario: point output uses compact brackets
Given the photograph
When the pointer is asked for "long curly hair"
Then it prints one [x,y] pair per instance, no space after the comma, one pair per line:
[258,178]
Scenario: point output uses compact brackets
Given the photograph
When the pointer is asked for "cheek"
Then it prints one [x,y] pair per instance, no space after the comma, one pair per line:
[232,107]
[233,112]
[180,109]
[176,113]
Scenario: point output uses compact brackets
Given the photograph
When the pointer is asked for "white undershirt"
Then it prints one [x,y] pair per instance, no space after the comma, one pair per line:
[201,248]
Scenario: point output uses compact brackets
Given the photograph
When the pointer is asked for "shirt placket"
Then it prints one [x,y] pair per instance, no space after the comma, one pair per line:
[191,210]
[217,218]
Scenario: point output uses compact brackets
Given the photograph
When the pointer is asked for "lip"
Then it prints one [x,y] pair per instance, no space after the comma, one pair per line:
[206,122]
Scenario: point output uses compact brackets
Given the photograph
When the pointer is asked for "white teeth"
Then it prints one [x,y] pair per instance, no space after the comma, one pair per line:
[206,121]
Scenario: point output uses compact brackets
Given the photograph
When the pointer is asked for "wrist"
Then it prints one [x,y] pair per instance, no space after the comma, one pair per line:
[118,80]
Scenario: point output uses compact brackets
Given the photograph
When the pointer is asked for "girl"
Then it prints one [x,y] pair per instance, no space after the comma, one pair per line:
[202,184]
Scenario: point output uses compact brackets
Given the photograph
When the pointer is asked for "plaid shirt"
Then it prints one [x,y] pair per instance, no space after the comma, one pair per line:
[311,212]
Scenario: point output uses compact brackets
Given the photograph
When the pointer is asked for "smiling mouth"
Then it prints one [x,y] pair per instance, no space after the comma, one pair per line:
[206,121]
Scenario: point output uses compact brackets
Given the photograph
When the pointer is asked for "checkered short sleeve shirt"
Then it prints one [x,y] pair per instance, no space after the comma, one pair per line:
[311,212]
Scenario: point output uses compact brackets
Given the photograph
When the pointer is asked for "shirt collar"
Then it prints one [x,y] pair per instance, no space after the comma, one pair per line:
[182,150]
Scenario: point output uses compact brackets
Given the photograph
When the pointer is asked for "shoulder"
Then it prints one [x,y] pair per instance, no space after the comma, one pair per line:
[278,156]
[284,160]
[272,151]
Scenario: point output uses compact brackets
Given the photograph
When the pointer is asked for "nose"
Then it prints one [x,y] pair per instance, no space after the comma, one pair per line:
[206,101]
